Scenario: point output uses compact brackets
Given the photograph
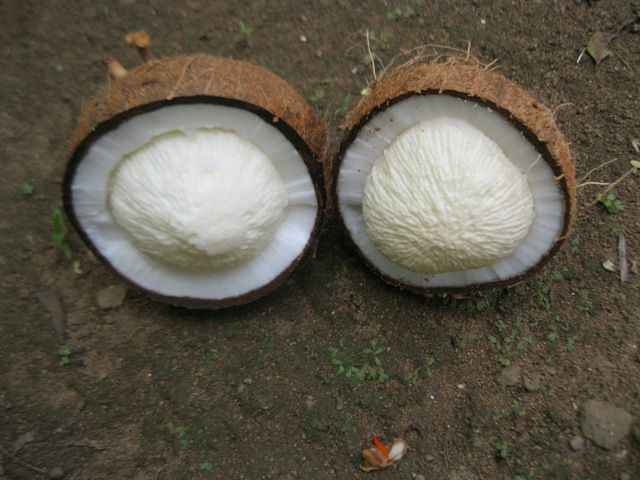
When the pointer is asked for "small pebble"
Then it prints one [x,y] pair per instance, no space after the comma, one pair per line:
[509,376]
[532,382]
[112,296]
[310,402]
[303,39]
[577,443]
[429,458]
[56,473]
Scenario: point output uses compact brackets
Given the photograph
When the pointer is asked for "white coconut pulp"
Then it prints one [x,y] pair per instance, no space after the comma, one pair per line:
[200,201]
[437,191]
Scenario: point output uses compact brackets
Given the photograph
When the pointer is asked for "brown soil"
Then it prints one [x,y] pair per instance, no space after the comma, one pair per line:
[152,391]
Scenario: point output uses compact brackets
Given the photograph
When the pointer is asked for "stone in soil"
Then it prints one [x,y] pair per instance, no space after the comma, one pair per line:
[111,297]
[56,473]
[577,443]
[532,382]
[509,376]
[604,423]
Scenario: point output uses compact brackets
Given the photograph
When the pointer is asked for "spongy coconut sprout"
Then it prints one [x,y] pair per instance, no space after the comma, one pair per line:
[451,177]
[197,179]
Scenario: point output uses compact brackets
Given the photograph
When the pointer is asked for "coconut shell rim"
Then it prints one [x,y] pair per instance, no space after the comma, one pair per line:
[355,124]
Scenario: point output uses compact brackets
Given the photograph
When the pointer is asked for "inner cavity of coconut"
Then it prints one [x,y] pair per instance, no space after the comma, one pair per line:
[428,212]
[202,201]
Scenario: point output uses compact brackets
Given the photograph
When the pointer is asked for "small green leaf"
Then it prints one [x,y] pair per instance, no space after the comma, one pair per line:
[27,189]
[635,164]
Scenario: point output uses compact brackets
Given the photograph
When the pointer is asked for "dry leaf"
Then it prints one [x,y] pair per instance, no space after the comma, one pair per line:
[380,456]
[51,301]
[609,266]
[597,46]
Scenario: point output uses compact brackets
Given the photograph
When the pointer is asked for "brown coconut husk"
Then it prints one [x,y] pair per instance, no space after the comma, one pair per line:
[473,82]
[202,78]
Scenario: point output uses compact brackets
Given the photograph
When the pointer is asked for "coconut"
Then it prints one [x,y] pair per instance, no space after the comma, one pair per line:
[197,179]
[451,177]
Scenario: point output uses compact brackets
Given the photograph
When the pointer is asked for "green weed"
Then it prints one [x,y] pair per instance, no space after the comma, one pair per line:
[502,449]
[64,354]
[344,105]
[27,189]
[611,204]
[245,31]
[59,232]
[179,432]
[358,366]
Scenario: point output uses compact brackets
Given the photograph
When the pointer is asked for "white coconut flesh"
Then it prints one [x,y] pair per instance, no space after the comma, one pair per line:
[437,191]
[200,201]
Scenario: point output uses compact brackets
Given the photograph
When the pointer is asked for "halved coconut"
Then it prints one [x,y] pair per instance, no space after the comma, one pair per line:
[197,180]
[451,177]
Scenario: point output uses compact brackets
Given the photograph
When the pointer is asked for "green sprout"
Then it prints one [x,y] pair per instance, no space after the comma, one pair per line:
[59,232]
[64,353]
[612,204]
[27,189]
[245,31]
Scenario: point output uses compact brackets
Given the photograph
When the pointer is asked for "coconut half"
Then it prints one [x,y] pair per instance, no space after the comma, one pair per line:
[451,178]
[197,180]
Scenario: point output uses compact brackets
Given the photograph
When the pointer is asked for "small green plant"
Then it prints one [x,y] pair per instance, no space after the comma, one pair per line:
[504,362]
[64,354]
[27,189]
[344,105]
[245,31]
[611,203]
[411,378]
[430,361]
[585,304]
[364,365]
[59,232]
[398,13]
[180,433]
[317,97]
[571,343]
[467,304]
[502,449]
[206,466]
[552,336]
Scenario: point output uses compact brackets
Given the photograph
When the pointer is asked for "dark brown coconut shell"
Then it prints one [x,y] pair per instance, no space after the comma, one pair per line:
[202,78]
[489,89]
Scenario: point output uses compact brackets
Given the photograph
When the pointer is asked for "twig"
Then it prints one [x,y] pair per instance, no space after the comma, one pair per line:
[115,68]
[622,256]
[610,187]
[555,110]
[19,461]
[445,450]
[592,183]
[373,62]
[586,175]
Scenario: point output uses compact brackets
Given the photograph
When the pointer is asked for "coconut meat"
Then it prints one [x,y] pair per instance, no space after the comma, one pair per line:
[201,201]
[444,197]
[438,191]
[207,201]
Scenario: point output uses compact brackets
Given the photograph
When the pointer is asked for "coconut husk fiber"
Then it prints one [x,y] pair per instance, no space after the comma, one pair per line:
[201,75]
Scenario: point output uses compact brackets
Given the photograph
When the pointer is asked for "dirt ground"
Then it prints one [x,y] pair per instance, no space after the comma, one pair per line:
[149,391]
